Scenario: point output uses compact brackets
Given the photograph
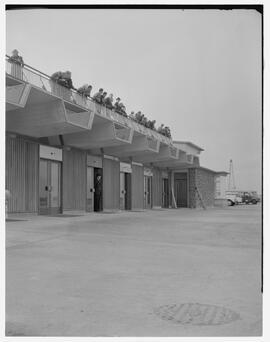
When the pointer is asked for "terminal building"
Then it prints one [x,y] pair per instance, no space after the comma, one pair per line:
[64,152]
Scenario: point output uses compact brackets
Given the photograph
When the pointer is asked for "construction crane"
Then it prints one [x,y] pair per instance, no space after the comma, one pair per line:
[231,182]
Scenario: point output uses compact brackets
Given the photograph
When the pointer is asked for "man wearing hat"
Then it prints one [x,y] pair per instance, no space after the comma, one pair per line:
[17,64]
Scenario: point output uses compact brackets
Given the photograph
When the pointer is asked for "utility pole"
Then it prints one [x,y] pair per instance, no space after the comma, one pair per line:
[231,183]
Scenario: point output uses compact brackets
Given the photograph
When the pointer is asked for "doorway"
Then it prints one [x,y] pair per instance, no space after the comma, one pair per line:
[49,187]
[90,189]
[147,192]
[180,189]
[165,193]
[98,192]
[94,191]
[125,191]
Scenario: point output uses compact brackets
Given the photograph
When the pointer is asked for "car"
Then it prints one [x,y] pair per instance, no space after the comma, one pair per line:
[241,197]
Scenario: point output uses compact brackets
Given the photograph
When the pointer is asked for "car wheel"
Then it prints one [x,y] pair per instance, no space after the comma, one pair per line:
[229,202]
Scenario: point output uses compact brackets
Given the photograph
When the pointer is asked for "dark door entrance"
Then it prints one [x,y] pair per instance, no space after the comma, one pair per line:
[165,193]
[49,187]
[180,189]
[147,192]
[90,189]
[98,184]
[125,191]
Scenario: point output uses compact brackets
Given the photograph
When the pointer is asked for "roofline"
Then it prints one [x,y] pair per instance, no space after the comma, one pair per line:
[221,173]
[189,143]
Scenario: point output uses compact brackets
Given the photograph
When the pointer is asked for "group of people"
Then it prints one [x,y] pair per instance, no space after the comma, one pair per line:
[64,79]
[107,101]
[142,119]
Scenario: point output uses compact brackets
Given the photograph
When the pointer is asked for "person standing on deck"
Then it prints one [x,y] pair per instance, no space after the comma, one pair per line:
[17,64]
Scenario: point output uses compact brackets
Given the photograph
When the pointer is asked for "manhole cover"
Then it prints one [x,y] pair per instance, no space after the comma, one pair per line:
[196,314]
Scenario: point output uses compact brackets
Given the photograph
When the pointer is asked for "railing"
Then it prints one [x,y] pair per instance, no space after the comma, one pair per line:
[43,81]
[173,151]
[122,133]
[152,143]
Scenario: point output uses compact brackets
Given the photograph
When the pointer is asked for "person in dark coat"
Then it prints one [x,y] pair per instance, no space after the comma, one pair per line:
[116,106]
[122,109]
[98,96]
[138,116]
[103,98]
[167,132]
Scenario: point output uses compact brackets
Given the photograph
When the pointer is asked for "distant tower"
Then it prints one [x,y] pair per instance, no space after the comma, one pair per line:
[231,183]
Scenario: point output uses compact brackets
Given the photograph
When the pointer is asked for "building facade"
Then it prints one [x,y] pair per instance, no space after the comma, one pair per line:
[65,152]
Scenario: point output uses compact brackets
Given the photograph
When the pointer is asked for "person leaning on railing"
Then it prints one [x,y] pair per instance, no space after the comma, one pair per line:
[132,116]
[167,132]
[138,116]
[17,64]
[62,79]
[85,90]
[108,101]
[103,96]
[151,124]
[98,96]
[161,129]
[122,109]
[116,106]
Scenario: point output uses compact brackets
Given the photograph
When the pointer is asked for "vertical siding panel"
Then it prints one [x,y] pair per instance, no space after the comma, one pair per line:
[157,187]
[31,184]
[111,184]
[107,184]
[21,174]
[74,180]
[137,183]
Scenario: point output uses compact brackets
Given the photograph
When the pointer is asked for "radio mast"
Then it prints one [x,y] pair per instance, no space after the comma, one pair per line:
[231,183]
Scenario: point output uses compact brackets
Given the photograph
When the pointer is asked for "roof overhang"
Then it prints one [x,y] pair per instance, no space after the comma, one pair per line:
[141,145]
[188,147]
[102,135]
[33,112]
[165,153]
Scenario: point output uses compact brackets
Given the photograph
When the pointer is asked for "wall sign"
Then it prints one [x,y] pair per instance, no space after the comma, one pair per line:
[148,172]
[125,167]
[164,174]
[48,152]
[94,161]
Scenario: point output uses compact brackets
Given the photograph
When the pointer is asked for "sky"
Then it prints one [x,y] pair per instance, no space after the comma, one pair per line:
[197,71]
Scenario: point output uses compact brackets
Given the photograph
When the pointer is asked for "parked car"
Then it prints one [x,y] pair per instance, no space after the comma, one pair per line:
[242,197]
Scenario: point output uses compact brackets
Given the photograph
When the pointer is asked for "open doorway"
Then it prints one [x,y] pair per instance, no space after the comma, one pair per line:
[125,191]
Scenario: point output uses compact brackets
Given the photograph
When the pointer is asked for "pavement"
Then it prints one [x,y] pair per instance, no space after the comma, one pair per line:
[109,274]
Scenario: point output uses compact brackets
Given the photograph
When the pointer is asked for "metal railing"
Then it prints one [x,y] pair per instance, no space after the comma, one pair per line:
[173,151]
[41,80]
[152,143]
[122,133]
